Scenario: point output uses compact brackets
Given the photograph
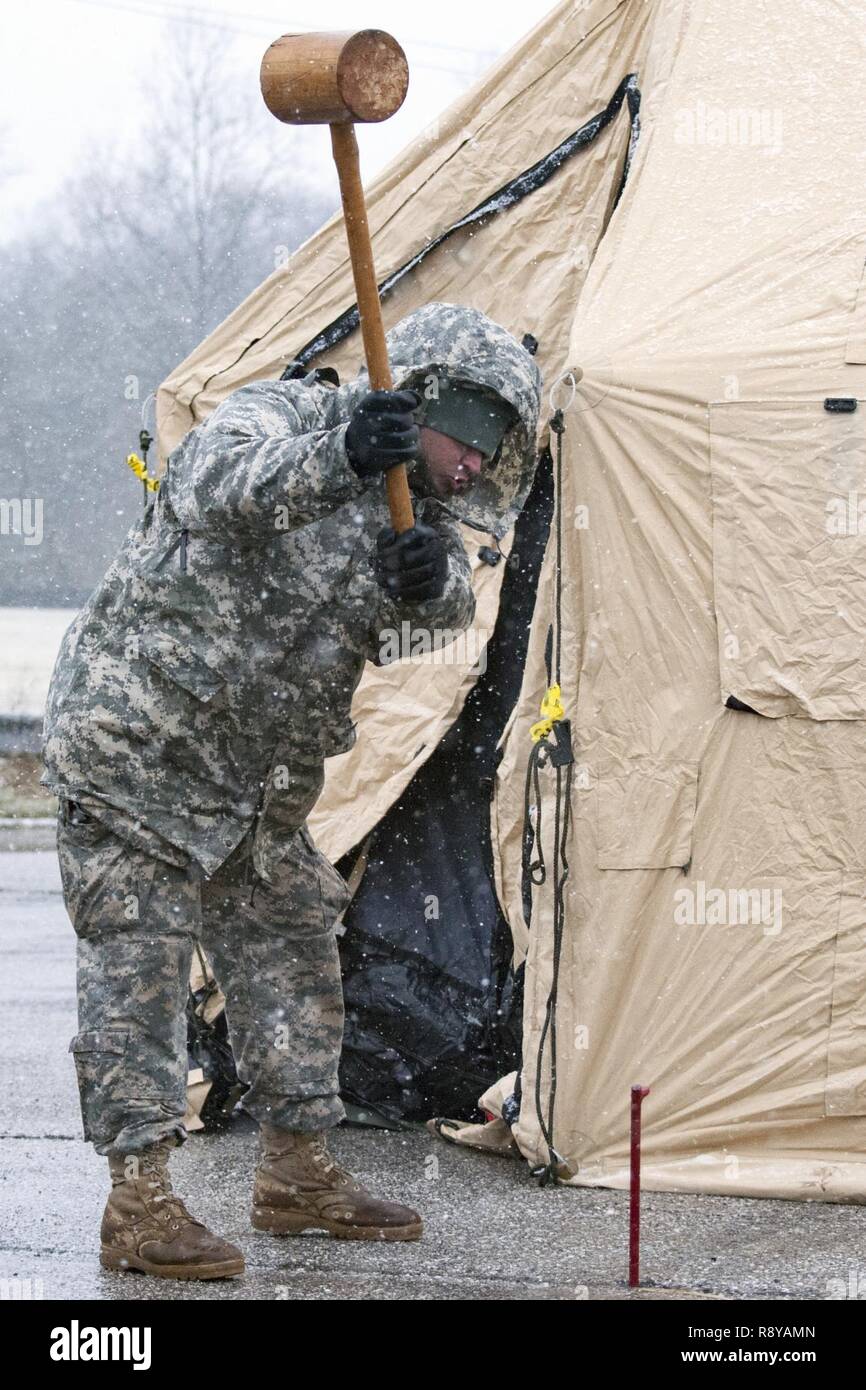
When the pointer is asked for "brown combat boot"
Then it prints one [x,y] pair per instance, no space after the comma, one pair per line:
[146,1227]
[300,1187]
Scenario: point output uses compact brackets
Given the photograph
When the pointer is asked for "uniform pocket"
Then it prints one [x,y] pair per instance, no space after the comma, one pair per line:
[789,538]
[182,664]
[79,827]
[106,883]
[302,891]
[333,887]
[99,1058]
[102,1042]
[295,781]
[646,815]
[338,735]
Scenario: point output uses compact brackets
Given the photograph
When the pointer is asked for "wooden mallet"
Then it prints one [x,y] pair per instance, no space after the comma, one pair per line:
[336,80]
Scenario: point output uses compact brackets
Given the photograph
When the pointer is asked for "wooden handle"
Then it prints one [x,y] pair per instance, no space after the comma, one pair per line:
[345,148]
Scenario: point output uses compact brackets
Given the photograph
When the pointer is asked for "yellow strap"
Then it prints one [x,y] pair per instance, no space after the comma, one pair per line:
[551,709]
[139,468]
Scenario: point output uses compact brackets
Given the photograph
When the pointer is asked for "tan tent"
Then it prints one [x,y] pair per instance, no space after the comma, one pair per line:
[709,936]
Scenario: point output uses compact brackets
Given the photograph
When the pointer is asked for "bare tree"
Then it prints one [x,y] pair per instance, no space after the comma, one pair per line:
[206,191]
[139,256]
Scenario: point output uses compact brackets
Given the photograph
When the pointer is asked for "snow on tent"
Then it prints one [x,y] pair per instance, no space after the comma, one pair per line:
[686,892]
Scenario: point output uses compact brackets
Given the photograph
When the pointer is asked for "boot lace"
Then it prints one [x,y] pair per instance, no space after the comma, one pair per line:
[168,1208]
[321,1155]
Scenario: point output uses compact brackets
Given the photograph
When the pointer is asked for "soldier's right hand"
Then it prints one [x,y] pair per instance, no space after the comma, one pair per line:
[382,432]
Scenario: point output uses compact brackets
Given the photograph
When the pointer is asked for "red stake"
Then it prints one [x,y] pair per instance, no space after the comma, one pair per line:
[637,1095]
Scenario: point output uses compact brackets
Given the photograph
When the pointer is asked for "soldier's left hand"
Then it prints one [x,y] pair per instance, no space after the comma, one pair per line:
[412,566]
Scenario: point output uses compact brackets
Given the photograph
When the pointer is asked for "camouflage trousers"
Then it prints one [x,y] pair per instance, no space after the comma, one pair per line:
[272,947]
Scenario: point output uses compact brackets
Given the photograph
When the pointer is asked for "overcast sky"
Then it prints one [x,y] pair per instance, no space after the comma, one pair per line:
[72,71]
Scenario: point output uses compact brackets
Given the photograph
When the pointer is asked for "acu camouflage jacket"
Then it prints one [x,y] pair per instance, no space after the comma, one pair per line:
[212,670]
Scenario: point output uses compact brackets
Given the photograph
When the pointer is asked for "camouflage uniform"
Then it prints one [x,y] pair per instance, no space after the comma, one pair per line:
[193,702]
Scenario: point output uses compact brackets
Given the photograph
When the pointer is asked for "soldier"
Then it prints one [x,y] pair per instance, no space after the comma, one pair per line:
[193,703]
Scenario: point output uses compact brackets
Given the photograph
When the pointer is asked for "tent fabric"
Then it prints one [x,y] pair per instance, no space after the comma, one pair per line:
[527,105]
[527,182]
[713,943]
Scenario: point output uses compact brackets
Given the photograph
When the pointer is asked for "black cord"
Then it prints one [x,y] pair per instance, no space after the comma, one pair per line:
[559,754]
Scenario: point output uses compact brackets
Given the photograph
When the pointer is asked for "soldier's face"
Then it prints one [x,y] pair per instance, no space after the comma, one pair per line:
[452,466]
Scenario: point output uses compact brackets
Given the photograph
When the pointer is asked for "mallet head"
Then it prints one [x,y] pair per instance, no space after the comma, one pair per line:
[319,79]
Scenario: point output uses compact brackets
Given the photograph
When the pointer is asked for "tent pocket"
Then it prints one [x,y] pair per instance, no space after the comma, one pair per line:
[645,815]
[855,347]
[789,540]
[845,1092]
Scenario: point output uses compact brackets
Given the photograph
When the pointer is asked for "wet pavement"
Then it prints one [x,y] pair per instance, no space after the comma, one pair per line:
[491,1232]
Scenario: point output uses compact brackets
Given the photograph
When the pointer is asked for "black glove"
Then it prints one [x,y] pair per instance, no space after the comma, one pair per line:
[382,432]
[413,565]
